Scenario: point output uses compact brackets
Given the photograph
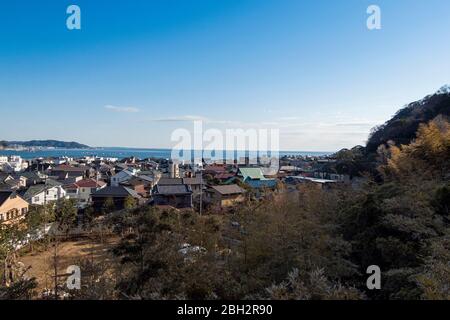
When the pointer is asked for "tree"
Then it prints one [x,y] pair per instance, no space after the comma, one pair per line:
[88,215]
[97,282]
[13,283]
[428,154]
[20,290]
[129,203]
[278,236]
[66,214]
[435,276]
[144,252]
[315,287]
[398,223]
[34,221]
[108,206]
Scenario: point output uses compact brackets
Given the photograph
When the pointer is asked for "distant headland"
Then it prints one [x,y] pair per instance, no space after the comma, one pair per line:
[42,144]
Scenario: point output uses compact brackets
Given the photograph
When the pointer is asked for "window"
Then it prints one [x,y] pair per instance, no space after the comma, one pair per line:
[1,216]
[36,199]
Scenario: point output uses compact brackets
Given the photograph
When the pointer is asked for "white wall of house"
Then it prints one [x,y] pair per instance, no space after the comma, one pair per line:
[82,195]
[49,195]
[72,193]
[123,176]
[13,164]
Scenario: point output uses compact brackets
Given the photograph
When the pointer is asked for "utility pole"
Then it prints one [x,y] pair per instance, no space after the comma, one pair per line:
[55,269]
[201,190]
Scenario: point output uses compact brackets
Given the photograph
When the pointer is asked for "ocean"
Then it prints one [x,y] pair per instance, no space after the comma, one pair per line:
[127,152]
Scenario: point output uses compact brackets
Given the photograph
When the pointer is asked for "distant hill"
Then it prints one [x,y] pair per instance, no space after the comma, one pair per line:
[403,126]
[48,144]
[401,129]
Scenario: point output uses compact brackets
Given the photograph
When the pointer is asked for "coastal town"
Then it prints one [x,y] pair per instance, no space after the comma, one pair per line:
[94,182]
[206,159]
[82,193]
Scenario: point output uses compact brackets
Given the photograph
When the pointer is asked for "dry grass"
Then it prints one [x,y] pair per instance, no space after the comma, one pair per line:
[69,253]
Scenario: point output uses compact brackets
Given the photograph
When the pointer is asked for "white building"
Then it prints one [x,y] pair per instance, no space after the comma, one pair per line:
[174,169]
[13,164]
[123,176]
[83,189]
[41,194]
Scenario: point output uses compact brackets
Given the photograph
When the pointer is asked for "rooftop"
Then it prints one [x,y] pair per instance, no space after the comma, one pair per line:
[196,180]
[87,183]
[170,181]
[4,195]
[252,173]
[119,191]
[173,189]
[228,189]
[68,168]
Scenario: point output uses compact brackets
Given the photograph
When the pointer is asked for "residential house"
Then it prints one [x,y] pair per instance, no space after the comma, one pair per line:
[151,177]
[225,195]
[123,176]
[117,194]
[33,177]
[170,181]
[83,189]
[214,170]
[66,170]
[137,184]
[319,183]
[290,169]
[12,207]
[150,164]
[149,181]
[13,182]
[4,176]
[48,192]
[106,170]
[255,178]
[178,196]
[13,164]
[223,177]
[196,184]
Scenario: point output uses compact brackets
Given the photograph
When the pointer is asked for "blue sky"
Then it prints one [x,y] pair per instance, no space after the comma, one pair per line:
[137,70]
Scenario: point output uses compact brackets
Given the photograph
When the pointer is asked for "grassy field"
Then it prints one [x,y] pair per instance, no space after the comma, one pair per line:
[41,261]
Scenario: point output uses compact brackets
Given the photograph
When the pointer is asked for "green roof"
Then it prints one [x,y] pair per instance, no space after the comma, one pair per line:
[252,173]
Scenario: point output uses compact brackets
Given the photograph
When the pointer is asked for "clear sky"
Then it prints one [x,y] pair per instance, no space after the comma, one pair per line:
[137,70]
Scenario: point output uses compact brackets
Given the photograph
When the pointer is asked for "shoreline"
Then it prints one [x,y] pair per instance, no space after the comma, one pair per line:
[141,153]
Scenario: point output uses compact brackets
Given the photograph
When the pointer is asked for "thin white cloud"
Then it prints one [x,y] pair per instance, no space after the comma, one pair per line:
[121,109]
[181,119]
[288,118]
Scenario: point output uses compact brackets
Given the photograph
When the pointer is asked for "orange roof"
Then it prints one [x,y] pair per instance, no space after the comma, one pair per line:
[87,183]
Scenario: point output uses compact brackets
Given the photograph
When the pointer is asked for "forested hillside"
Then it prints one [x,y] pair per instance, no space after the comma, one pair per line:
[403,126]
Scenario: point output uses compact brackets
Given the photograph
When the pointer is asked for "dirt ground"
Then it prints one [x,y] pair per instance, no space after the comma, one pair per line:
[69,253]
